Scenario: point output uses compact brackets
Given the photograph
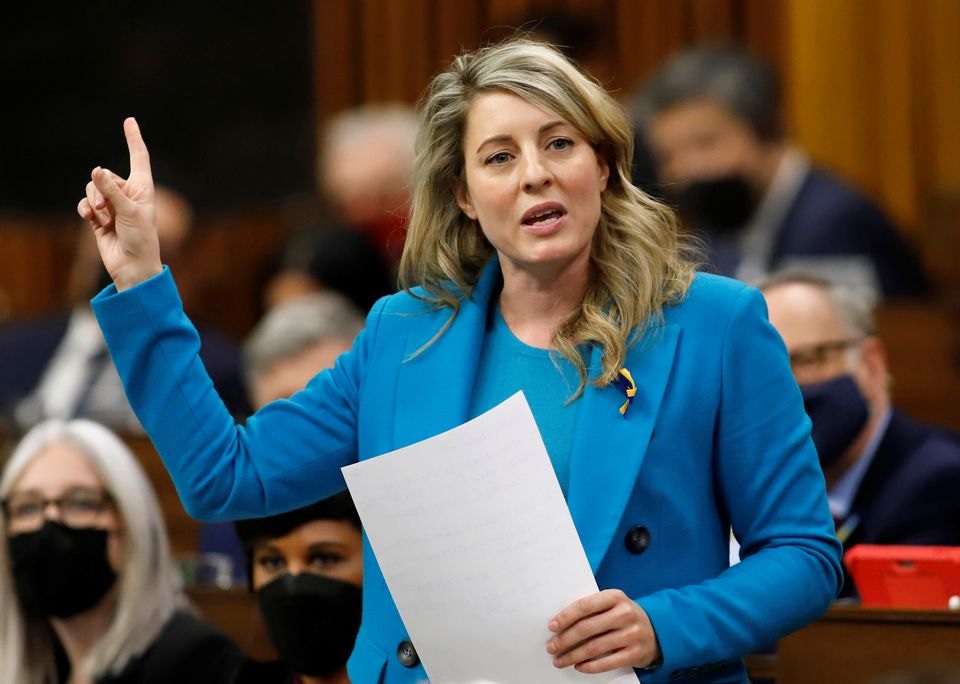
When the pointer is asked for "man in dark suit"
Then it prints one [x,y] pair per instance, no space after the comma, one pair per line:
[58,366]
[890,480]
[712,117]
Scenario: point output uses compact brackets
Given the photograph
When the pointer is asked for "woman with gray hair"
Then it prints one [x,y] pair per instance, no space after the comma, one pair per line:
[88,589]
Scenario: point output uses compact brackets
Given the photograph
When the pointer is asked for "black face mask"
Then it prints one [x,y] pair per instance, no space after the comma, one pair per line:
[719,206]
[838,411]
[312,620]
[60,571]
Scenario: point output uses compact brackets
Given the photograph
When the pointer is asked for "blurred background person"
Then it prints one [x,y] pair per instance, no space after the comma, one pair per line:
[58,366]
[328,256]
[713,118]
[88,590]
[296,341]
[289,346]
[306,569]
[365,160]
[890,480]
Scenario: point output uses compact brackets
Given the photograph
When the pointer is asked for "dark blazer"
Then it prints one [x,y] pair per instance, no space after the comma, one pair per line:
[187,651]
[909,495]
[830,218]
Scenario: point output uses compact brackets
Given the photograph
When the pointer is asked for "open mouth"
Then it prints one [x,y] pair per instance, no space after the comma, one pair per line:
[543,217]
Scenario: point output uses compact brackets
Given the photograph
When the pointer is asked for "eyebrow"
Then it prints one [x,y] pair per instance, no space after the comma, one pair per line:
[506,138]
[268,546]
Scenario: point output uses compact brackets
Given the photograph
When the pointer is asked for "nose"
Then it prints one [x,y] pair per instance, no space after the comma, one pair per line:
[46,514]
[536,174]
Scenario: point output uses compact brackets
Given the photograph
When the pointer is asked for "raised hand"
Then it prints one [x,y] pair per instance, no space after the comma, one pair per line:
[603,632]
[122,214]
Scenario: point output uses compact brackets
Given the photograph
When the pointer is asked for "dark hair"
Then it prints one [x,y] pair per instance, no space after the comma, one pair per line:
[337,257]
[741,82]
[256,530]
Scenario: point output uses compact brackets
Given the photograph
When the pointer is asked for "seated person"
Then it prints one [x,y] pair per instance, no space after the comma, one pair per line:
[328,256]
[364,164]
[294,342]
[712,117]
[289,346]
[890,480]
[306,568]
[58,366]
[89,593]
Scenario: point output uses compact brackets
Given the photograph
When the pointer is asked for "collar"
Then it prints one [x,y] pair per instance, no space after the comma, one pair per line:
[842,493]
[756,241]
[608,448]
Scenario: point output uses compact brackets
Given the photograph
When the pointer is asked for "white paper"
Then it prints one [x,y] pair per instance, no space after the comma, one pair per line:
[478,549]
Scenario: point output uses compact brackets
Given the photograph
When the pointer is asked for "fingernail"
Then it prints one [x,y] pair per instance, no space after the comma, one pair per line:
[551,647]
[553,626]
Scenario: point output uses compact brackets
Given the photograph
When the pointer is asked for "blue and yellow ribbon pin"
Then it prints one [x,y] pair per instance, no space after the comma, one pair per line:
[624,382]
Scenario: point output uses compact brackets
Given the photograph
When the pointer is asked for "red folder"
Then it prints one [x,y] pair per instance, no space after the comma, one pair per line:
[906,576]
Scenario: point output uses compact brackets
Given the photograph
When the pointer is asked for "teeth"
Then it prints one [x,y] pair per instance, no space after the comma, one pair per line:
[543,216]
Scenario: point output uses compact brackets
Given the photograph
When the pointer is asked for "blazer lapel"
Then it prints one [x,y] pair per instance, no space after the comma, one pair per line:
[437,385]
[609,448]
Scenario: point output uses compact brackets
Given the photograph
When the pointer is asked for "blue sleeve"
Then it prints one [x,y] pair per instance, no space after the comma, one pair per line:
[287,455]
[768,475]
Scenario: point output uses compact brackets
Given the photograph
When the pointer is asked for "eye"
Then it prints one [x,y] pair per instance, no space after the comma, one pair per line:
[83,502]
[23,509]
[322,560]
[272,563]
[560,144]
[499,158]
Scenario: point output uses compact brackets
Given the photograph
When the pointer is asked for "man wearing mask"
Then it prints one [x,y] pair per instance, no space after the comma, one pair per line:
[889,479]
[712,118]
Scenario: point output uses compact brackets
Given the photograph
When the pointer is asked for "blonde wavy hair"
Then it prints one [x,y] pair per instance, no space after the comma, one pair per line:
[639,262]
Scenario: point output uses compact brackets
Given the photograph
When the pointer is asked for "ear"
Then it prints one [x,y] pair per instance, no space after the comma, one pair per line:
[874,373]
[460,191]
[604,172]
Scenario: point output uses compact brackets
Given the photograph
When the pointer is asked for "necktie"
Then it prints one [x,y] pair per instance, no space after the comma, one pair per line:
[95,365]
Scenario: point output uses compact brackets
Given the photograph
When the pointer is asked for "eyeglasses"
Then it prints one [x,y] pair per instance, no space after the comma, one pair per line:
[78,507]
[815,356]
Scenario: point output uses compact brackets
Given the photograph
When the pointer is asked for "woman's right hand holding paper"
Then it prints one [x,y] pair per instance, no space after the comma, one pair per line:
[122,214]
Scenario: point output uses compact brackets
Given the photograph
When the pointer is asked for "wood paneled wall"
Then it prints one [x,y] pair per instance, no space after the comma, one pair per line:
[870,85]
[387,50]
[870,92]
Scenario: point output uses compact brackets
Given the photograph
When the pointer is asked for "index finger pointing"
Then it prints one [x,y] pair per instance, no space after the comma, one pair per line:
[139,157]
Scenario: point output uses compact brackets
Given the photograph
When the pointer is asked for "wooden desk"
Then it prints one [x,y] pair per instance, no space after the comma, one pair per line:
[851,644]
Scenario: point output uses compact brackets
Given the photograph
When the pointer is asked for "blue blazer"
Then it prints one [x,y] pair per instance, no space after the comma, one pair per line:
[716,437]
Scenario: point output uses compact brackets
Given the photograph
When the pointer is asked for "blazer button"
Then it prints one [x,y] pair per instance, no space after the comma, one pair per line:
[407,654]
[637,539]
